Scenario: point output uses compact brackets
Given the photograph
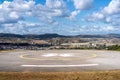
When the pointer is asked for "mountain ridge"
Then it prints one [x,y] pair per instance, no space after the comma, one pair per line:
[47,36]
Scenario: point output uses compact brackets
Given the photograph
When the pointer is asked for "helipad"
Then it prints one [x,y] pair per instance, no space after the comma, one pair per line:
[59,60]
[57,56]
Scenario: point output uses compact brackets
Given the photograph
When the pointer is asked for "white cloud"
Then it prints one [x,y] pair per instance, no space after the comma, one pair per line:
[22,5]
[110,29]
[74,13]
[108,19]
[56,8]
[83,4]
[98,15]
[12,12]
[113,7]
[13,28]
[13,15]
[51,9]
[109,14]
[55,3]
[95,29]
[18,9]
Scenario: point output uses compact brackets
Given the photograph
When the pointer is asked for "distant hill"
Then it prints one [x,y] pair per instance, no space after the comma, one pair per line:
[7,35]
[48,36]
[114,35]
[91,36]
[42,36]
[100,36]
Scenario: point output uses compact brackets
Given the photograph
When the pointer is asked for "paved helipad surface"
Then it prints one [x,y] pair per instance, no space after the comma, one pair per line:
[59,60]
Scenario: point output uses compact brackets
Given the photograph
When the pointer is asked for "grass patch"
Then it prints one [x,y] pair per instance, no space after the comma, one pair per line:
[91,75]
[114,47]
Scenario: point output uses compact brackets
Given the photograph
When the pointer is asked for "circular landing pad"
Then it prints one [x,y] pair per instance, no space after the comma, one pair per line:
[59,60]
[57,56]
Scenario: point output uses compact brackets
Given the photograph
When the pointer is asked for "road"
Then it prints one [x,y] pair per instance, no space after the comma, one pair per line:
[59,60]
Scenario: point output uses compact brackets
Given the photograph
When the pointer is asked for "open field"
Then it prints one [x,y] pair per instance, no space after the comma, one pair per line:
[89,75]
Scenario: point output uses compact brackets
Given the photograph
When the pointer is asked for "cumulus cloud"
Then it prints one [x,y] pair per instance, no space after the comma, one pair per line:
[93,29]
[109,14]
[81,5]
[113,7]
[13,12]
[24,28]
[100,29]
[13,28]
[74,13]
[17,9]
[51,9]
[55,3]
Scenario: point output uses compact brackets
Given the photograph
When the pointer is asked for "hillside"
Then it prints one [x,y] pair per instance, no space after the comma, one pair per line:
[48,36]
[29,36]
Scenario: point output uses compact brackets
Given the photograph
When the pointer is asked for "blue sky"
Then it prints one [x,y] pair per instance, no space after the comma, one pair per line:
[65,17]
